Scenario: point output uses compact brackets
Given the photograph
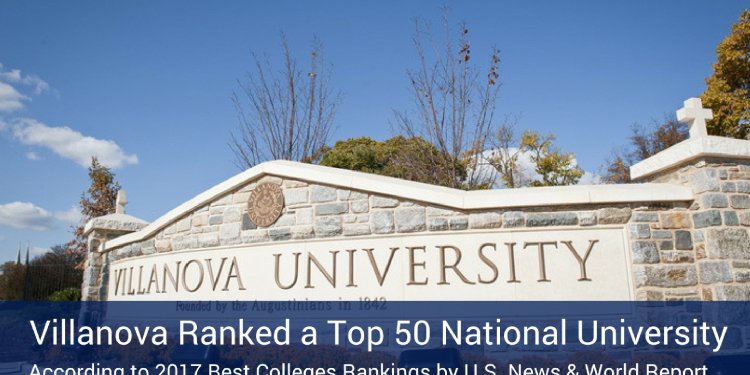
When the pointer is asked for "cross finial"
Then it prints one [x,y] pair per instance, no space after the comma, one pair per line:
[695,115]
[120,202]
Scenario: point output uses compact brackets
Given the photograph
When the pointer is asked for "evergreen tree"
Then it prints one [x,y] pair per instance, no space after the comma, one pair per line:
[728,89]
[98,200]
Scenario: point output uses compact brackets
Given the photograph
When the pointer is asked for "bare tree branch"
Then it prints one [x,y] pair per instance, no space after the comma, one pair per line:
[286,115]
[454,107]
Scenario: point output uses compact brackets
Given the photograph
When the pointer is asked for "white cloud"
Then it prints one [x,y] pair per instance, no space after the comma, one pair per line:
[31,155]
[37,251]
[590,178]
[71,144]
[10,99]
[25,215]
[15,76]
[71,216]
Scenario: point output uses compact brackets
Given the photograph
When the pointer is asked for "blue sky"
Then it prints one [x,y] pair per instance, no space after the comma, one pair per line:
[146,84]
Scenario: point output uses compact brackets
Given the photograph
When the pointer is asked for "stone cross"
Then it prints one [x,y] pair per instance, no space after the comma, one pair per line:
[120,202]
[695,115]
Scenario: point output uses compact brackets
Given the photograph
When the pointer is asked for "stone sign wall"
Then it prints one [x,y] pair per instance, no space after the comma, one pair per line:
[680,233]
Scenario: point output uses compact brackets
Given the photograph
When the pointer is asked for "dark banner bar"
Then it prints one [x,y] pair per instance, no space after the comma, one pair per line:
[374,338]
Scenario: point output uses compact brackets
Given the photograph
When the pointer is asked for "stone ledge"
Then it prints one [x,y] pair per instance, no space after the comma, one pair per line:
[115,222]
[690,149]
[419,192]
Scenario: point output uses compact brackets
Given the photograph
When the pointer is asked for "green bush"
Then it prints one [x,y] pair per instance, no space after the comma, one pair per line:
[69,294]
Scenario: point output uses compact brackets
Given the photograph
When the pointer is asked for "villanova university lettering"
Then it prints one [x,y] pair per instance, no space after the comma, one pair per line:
[441,264]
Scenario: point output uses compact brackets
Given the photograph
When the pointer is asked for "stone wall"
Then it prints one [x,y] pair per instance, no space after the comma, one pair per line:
[702,252]
[684,250]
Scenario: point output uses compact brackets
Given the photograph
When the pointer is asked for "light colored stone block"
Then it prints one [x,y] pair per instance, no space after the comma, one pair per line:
[331,208]
[613,215]
[270,180]
[383,202]
[286,220]
[645,217]
[360,206]
[382,222]
[163,246]
[723,243]
[208,240]
[304,216]
[458,223]
[644,252]
[291,184]
[411,219]
[740,201]
[254,236]
[668,276]
[715,272]
[586,219]
[435,211]
[514,219]
[184,242]
[715,200]
[183,225]
[485,220]
[356,229]
[321,194]
[240,198]
[232,214]
[348,195]
[223,201]
[199,219]
[437,224]
[300,232]
[295,196]
[640,231]
[229,234]
[328,226]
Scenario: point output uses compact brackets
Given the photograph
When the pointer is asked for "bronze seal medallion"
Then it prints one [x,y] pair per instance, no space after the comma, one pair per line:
[265,204]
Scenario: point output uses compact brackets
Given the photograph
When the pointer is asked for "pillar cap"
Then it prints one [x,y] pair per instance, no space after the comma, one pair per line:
[116,222]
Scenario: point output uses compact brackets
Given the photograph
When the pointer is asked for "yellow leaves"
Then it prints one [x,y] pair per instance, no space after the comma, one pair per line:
[727,89]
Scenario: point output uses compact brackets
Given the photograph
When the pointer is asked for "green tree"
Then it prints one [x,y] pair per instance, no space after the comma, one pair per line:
[410,158]
[554,166]
[44,275]
[68,294]
[98,200]
[11,281]
[728,89]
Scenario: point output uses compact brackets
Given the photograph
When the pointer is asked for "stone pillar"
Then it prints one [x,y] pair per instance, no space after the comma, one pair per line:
[710,239]
[98,231]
